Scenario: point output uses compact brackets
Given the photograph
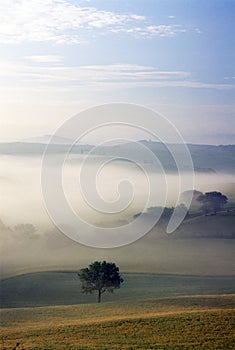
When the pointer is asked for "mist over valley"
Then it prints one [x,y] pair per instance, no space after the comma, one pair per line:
[31,242]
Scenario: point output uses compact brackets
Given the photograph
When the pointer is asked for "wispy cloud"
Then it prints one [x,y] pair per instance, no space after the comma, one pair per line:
[44,58]
[64,22]
[229,78]
[100,76]
[85,75]
[152,30]
[58,21]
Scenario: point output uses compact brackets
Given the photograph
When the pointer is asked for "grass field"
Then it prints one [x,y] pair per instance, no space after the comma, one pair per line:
[149,311]
[63,288]
[199,322]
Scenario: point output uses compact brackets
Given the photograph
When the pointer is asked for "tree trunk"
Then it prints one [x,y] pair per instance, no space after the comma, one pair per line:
[99,296]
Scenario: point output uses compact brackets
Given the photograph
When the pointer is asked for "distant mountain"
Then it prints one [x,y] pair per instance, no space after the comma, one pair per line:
[220,158]
[206,158]
[35,149]
[45,139]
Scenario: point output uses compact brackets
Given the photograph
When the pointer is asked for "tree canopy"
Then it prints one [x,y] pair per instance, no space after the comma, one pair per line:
[101,277]
[212,201]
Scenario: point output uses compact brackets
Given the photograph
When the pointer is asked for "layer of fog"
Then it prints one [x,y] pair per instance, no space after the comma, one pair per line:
[42,246]
[22,201]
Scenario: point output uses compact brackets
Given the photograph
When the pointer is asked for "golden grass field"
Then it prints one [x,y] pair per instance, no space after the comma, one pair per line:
[195,322]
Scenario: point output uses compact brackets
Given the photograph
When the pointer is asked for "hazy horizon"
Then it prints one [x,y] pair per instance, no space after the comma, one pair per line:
[60,58]
[212,140]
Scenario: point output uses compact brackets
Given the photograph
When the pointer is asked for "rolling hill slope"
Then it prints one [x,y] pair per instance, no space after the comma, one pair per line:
[202,322]
[63,288]
[205,158]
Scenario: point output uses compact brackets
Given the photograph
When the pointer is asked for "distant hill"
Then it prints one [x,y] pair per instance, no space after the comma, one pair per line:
[45,139]
[206,159]
[217,226]
[220,226]
[31,149]
[219,158]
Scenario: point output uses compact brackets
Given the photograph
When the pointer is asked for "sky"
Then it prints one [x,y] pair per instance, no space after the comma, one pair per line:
[59,57]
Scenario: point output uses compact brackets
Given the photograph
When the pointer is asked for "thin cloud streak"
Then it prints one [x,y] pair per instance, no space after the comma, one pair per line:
[44,58]
[86,74]
[100,77]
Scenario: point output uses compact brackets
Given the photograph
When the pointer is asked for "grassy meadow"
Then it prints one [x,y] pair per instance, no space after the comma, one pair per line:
[63,288]
[148,312]
[46,310]
[198,322]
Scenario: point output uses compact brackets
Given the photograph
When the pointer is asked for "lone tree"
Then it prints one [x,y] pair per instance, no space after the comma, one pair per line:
[100,276]
[212,201]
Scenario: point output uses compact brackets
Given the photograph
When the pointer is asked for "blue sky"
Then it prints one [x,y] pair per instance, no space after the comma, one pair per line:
[58,57]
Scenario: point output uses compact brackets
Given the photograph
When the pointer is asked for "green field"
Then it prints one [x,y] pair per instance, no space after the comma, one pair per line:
[63,288]
[168,323]
[149,311]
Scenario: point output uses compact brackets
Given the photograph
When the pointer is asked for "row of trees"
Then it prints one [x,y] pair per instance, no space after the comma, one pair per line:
[210,202]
